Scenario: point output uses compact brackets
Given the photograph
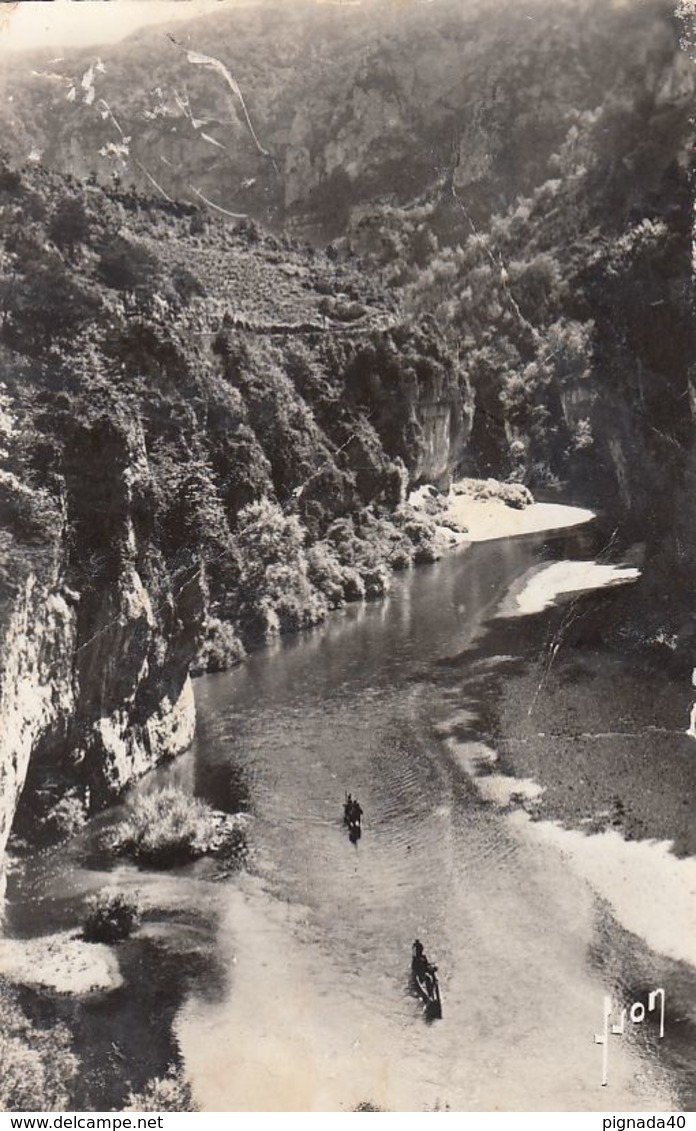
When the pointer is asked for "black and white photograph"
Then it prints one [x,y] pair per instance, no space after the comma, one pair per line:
[348,556]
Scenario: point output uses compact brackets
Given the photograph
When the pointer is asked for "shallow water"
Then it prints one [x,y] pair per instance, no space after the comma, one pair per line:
[289,984]
[318,1016]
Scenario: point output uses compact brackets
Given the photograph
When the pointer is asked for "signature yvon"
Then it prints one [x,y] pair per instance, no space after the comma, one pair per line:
[636,1014]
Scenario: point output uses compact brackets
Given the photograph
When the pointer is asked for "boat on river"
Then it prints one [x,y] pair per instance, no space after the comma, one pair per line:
[424,983]
[352,818]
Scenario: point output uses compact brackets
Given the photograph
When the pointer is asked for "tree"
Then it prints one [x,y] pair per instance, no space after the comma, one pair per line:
[69,225]
[275,593]
[127,266]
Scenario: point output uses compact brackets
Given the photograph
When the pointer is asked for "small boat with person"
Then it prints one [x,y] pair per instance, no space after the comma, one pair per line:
[352,817]
[424,982]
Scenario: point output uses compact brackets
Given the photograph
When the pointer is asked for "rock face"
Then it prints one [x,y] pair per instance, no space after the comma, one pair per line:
[446,424]
[95,686]
[375,102]
[36,686]
[134,698]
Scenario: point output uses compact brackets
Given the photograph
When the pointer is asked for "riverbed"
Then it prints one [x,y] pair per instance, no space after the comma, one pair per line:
[287,986]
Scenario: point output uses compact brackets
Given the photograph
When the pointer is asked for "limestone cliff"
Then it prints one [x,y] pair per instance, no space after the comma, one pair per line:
[94,687]
[36,685]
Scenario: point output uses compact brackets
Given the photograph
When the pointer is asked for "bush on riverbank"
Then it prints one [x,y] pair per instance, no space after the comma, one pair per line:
[38,1066]
[168,827]
[163,1093]
[221,648]
[112,918]
[66,818]
[514,495]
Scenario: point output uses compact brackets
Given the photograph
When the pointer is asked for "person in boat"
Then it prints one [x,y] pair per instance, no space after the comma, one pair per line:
[418,953]
[352,810]
[421,965]
[424,980]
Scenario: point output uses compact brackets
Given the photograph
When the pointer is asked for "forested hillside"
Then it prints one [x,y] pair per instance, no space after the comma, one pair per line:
[521,174]
[208,435]
[209,425]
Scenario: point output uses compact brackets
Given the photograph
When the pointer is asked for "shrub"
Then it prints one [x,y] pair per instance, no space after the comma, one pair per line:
[452,524]
[125,265]
[353,584]
[10,179]
[169,827]
[67,817]
[298,611]
[422,534]
[221,648]
[37,1064]
[401,556]
[163,1093]
[377,581]
[69,225]
[582,437]
[431,501]
[186,284]
[341,534]
[326,573]
[514,495]
[112,918]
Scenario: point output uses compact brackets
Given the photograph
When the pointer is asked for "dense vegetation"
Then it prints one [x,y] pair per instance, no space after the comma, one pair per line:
[183,405]
[520,175]
[38,1066]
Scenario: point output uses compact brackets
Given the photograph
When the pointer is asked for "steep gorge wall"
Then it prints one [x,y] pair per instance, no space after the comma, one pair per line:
[84,717]
[36,685]
[95,687]
[445,423]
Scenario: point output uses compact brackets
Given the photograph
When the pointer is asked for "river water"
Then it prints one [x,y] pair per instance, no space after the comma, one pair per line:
[310,1008]
[317,1016]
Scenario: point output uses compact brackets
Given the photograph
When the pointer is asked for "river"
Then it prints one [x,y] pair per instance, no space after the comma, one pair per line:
[308,1006]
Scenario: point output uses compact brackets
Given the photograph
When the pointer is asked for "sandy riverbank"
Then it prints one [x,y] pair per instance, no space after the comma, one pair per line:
[480,509]
[584,750]
[591,743]
[487,519]
[541,586]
